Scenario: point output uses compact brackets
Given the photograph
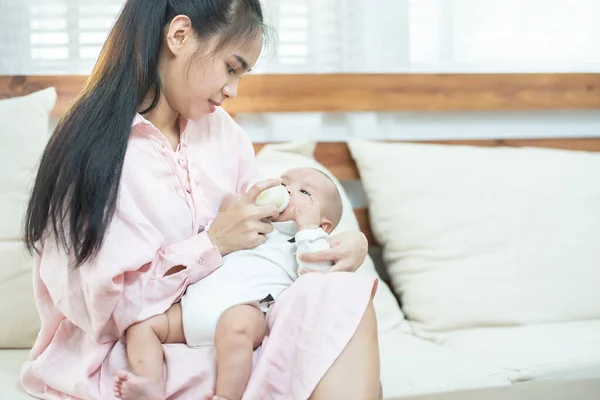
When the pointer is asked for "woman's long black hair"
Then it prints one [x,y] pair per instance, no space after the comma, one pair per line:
[75,193]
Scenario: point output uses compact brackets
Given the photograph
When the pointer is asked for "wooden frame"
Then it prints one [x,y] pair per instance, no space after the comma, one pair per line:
[382,93]
[373,92]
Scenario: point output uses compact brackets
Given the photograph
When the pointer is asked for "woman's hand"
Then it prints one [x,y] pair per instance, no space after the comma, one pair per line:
[348,251]
[240,224]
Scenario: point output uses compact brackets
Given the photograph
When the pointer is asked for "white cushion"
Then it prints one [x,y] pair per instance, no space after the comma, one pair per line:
[277,158]
[408,366]
[412,366]
[11,362]
[569,350]
[485,236]
[24,134]
[20,320]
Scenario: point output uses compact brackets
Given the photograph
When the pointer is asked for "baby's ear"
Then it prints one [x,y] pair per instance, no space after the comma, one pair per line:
[326,225]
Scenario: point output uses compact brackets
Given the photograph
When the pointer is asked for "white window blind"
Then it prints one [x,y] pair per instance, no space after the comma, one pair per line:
[436,35]
[504,35]
[64,36]
[309,33]
[54,36]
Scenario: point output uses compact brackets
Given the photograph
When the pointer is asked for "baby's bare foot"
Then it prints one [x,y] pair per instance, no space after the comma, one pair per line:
[210,395]
[131,387]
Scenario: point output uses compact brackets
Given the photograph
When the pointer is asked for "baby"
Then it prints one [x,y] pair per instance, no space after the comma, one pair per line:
[227,308]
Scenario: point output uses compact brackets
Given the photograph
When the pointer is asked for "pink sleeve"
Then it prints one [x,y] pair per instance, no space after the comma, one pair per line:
[248,168]
[125,282]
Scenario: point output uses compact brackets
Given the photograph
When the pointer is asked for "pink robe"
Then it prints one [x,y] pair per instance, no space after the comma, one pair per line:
[166,197]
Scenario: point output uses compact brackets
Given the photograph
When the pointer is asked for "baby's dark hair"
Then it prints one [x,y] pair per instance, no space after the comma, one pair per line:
[335,205]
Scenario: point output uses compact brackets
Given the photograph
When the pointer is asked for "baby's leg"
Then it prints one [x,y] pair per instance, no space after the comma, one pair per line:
[145,354]
[239,331]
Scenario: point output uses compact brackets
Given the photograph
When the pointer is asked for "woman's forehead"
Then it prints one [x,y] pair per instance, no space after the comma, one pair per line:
[249,49]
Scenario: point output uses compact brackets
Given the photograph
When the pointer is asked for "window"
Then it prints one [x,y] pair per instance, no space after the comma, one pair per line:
[436,35]
[54,36]
[309,33]
[65,36]
[504,35]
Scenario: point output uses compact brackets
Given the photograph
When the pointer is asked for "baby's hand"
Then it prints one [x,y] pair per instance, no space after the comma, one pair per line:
[308,216]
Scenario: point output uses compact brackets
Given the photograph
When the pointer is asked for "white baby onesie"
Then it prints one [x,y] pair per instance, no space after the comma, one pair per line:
[255,276]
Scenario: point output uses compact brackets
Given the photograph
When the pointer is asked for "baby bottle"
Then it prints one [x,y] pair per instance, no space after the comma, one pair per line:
[277,195]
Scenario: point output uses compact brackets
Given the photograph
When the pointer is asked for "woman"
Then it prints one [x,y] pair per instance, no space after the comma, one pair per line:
[126,186]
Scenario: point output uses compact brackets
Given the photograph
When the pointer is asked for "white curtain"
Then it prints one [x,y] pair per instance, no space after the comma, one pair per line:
[327,36]
[64,36]
[46,37]
[436,35]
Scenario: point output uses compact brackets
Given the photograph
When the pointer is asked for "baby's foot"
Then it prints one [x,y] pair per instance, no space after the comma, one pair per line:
[210,395]
[131,387]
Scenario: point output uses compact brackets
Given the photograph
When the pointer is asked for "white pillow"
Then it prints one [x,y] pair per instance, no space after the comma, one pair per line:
[479,237]
[277,158]
[20,319]
[23,136]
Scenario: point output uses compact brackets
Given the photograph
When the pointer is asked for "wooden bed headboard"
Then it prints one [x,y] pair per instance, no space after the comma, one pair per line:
[378,93]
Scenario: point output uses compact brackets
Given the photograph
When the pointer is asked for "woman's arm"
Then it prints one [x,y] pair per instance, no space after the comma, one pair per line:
[348,252]
[248,167]
[125,283]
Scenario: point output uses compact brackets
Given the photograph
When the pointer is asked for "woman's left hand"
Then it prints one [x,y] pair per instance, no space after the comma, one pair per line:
[348,251]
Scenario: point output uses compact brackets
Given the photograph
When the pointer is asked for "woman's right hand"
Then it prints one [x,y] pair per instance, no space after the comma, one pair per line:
[241,223]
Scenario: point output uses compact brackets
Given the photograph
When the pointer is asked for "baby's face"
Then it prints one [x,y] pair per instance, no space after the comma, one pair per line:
[303,185]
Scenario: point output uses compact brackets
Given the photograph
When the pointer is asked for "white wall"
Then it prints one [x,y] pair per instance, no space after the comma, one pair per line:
[423,125]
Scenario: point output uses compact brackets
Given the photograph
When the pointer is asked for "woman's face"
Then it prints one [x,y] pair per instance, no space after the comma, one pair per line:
[195,78]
